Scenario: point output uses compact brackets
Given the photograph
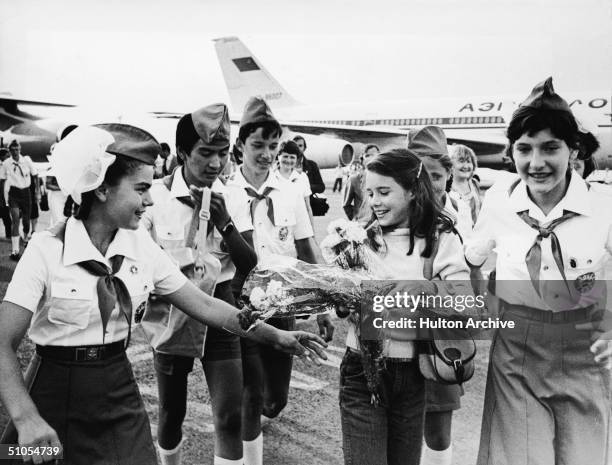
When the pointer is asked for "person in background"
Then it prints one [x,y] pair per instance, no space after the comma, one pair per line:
[5,211]
[18,171]
[355,189]
[289,158]
[310,167]
[588,145]
[465,190]
[429,144]
[36,186]
[339,174]
[165,162]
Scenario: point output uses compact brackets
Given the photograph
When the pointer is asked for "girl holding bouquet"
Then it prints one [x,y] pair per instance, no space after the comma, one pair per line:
[386,426]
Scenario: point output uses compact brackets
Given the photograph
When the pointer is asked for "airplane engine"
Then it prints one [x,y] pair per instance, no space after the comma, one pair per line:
[328,151]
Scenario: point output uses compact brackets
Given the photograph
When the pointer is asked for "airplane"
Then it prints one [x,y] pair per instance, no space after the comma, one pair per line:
[477,123]
[37,133]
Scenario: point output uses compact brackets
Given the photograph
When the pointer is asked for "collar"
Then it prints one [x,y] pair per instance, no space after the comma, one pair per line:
[292,176]
[78,246]
[576,199]
[240,181]
[179,187]
[19,161]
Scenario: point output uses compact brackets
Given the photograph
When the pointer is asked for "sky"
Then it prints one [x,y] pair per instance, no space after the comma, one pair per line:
[159,56]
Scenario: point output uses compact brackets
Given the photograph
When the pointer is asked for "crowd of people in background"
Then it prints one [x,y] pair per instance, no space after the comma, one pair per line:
[123,246]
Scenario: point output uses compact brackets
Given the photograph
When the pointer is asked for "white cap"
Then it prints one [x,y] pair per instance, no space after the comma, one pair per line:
[80,161]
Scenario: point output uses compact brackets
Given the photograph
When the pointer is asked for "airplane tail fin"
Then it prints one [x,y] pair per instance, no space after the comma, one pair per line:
[246,77]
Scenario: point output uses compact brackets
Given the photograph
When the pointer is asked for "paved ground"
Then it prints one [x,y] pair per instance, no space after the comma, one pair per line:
[308,431]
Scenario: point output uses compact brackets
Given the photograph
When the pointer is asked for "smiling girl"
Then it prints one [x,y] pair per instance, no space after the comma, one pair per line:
[400,195]
[547,398]
[76,290]
[288,160]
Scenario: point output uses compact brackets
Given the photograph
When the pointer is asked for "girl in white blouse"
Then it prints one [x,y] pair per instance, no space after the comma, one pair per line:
[76,290]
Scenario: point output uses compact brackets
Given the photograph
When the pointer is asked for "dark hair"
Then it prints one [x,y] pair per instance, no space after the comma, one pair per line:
[291,148]
[527,120]
[121,167]
[587,145]
[14,143]
[164,146]
[589,167]
[186,136]
[446,162]
[269,129]
[296,138]
[425,213]
[236,154]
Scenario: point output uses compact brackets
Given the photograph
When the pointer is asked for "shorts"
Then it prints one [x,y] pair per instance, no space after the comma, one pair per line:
[20,198]
[220,345]
[251,348]
[442,397]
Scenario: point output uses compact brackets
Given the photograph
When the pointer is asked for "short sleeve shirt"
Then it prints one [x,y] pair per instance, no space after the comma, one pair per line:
[291,220]
[169,221]
[18,173]
[585,241]
[299,181]
[62,295]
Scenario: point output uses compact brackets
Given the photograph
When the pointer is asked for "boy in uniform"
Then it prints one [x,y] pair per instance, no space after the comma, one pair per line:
[18,171]
[274,218]
[202,145]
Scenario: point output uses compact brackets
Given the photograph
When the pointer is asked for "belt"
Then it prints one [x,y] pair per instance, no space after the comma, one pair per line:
[81,354]
[547,316]
[389,359]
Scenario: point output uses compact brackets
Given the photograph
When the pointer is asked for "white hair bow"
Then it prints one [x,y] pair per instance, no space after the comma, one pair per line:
[80,161]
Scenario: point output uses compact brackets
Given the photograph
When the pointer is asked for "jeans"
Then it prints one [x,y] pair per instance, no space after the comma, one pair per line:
[392,432]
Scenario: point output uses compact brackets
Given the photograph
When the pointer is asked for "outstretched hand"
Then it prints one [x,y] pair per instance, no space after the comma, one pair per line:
[302,344]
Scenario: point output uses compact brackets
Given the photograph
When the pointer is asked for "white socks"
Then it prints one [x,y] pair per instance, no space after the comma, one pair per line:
[15,243]
[437,457]
[170,457]
[253,451]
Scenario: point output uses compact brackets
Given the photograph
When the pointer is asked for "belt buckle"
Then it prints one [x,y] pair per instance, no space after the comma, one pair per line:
[87,354]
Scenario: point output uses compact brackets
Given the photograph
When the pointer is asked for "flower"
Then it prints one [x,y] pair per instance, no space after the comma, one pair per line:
[275,289]
[356,233]
[337,225]
[258,297]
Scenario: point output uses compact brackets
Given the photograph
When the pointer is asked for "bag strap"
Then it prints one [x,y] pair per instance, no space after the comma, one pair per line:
[428,262]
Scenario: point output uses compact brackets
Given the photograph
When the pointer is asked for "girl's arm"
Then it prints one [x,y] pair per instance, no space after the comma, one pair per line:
[32,430]
[219,314]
